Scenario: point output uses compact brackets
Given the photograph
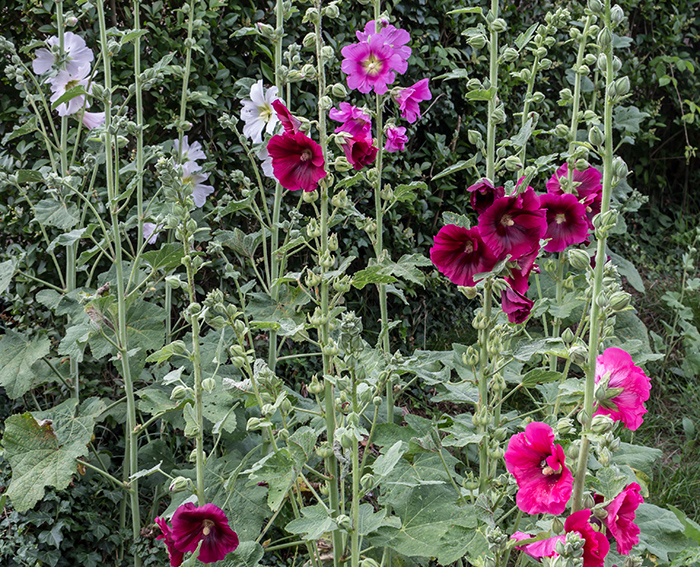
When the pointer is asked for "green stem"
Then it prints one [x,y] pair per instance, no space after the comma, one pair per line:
[139,122]
[132,464]
[595,317]
[483,383]
[493,79]
[105,474]
[559,295]
[356,472]
[526,103]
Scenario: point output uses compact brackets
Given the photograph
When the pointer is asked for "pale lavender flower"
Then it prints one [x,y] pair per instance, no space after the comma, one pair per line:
[266,158]
[77,54]
[65,81]
[190,152]
[257,113]
[151,232]
[200,192]
[93,119]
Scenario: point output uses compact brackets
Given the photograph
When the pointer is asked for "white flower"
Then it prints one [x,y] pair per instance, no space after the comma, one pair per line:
[266,165]
[191,152]
[93,119]
[77,54]
[200,192]
[151,232]
[257,113]
[65,81]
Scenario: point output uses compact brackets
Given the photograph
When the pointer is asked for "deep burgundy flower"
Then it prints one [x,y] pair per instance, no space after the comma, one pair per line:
[515,305]
[628,405]
[592,204]
[297,161]
[175,555]
[395,139]
[566,221]
[538,465]
[513,225]
[595,547]
[620,520]
[354,121]
[520,269]
[585,183]
[483,194]
[290,122]
[208,524]
[409,98]
[459,253]
[360,151]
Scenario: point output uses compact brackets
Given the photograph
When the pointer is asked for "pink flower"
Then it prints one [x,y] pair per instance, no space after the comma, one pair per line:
[175,555]
[359,151]
[297,161]
[291,123]
[374,61]
[585,183]
[620,520]
[65,81]
[628,405]
[459,253]
[396,139]
[544,481]
[483,194]
[516,305]
[408,99]
[354,121]
[513,225]
[208,524]
[566,221]
[595,547]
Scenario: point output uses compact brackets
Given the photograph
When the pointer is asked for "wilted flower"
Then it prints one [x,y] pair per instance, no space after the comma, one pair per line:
[483,194]
[264,156]
[629,385]
[359,151]
[408,99]
[396,139]
[520,269]
[175,555]
[354,121]
[77,55]
[459,253]
[257,113]
[566,221]
[290,123]
[538,465]
[516,305]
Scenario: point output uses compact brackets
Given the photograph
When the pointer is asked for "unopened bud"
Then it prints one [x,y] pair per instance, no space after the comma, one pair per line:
[510,54]
[513,163]
[309,40]
[622,86]
[338,90]
[595,6]
[499,25]
[620,300]
[605,39]
[567,336]
[562,130]
[617,15]
[620,168]
[178,484]
[477,41]
[601,424]
[208,385]
[310,196]
[180,392]
[565,426]
[595,136]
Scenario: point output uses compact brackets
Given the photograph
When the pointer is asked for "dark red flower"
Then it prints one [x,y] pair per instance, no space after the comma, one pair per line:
[620,520]
[291,123]
[584,183]
[515,305]
[459,253]
[566,221]
[208,524]
[297,161]
[520,271]
[483,193]
[592,204]
[359,151]
[513,225]
[176,556]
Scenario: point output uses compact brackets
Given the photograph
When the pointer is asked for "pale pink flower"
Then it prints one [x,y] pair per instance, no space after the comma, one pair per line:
[77,54]
[66,81]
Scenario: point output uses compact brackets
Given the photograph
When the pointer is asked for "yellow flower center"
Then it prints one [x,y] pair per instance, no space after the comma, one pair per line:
[560,218]
[506,220]
[208,525]
[373,66]
[71,84]
[266,112]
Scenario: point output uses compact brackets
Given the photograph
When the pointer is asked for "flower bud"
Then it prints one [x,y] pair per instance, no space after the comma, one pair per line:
[327,53]
[595,136]
[600,513]
[338,90]
[369,562]
[581,165]
[605,39]
[620,168]
[477,41]
[583,70]
[180,392]
[525,75]
[595,6]
[565,426]
[315,387]
[510,54]
[601,424]
[499,25]
[513,163]
[590,59]
[622,86]
[578,355]
[545,64]
[567,336]
[208,385]
[538,97]
[557,526]
[309,40]
[617,64]
[475,138]
[617,15]
[340,199]
[178,484]
[562,130]
[541,52]
[566,96]
[309,72]
[310,196]
[619,300]
[71,21]
[331,11]
[473,84]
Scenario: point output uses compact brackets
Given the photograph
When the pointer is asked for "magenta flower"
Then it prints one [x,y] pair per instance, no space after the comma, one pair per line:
[374,61]
[291,123]
[516,305]
[408,100]
[520,269]
[396,139]
[459,253]
[626,406]
[595,546]
[620,520]
[208,524]
[592,203]
[175,555]
[297,161]
[513,225]
[76,52]
[354,121]
[566,221]
[359,151]
[585,183]
[483,194]
[538,465]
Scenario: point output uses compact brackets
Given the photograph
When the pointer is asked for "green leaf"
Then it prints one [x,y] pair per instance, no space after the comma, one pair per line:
[369,520]
[539,376]
[524,38]
[56,213]
[278,470]
[7,270]
[70,94]
[692,528]
[465,11]
[247,554]
[637,457]
[610,481]
[661,532]
[314,524]
[371,275]
[29,176]
[132,35]
[454,168]
[407,193]
[481,94]
[17,355]
[456,219]
[166,258]
[386,462]
[42,448]
[26,128]
[627,269]
[73,344]
[629,118]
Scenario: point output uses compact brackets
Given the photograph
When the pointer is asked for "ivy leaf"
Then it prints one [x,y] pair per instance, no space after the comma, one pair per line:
[42,448]
[661,532]
[17,354]
[314,524]
[50,212]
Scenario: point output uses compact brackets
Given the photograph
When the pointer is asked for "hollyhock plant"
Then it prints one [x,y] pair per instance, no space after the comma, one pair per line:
[483,194]
[151,231]
[208,524]
[266,165]
[77,54]
[396,38]
[297,161]
[585,183]
[408,100]
[538,465]
[65,81]
[459,253]
[516,305]
[566,221]
[258,113]
[359,151]
[396,139]
[176,556]
[354,121]
[630,383]
[513,225]
[595,546]
[200,192]
[620,519]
